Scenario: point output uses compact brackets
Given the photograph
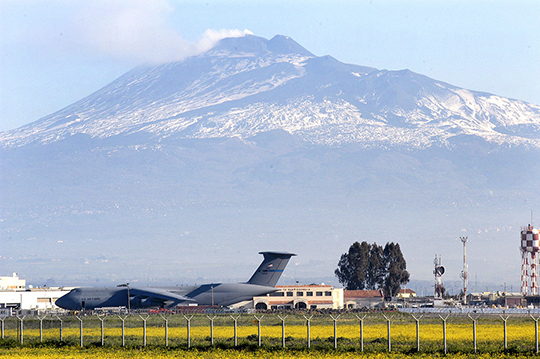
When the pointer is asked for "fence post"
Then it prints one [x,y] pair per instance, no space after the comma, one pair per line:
[283,328]
[308,330]
[335,328]
[123,328]
[144,319]
[166,332]
[259,327]
[22,327]
[474,330]
[504,326]
[235,329]
[417,331]
[444,331]
[166,319]
[389,342]
[2,319]
[41,327]
[81,329]
[211,328]
[188,320]
[61,325]
[102,319]
[535,331]
[361,331]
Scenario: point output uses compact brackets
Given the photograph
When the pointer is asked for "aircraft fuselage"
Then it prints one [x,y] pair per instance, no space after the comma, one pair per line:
[220,294]
[261,283]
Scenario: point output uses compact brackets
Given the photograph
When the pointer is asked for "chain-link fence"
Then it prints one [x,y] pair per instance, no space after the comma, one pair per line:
[423,331]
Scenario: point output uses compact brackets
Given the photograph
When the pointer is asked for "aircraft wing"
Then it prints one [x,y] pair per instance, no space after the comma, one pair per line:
[150,297]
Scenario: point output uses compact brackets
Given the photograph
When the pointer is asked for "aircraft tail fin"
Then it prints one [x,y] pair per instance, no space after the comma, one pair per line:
[271,268]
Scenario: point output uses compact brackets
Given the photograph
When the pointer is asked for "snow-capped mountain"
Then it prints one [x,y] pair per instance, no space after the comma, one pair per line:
[248,85]
[171,173]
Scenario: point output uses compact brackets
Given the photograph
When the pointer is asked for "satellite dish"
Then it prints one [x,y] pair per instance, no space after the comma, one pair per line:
[440,270]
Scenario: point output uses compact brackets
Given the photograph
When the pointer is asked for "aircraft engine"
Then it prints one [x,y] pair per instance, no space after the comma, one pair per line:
[146,302]
[135,302]
[143,301]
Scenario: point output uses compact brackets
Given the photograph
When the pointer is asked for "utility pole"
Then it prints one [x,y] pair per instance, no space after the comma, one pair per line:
[464,273]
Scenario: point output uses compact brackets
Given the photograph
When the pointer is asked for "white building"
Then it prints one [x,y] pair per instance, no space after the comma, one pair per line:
[12,283]
[363,298]
[36,299]
[14,295]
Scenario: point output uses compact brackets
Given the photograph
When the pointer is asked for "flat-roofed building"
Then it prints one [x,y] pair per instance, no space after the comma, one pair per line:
[12,283]
[301,297]
[33,299]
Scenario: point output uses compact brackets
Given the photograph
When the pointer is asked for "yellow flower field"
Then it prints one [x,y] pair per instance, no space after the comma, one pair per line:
[99,353]
[459,335]
[399,333]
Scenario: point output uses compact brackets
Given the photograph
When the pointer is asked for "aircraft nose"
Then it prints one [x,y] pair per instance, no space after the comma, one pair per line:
[67,302]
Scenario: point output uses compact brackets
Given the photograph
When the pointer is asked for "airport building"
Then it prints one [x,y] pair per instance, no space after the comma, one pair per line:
[300,297]
[315,297]
[31,299]
[12,283]
[357,299]
[14,295]
[406,293]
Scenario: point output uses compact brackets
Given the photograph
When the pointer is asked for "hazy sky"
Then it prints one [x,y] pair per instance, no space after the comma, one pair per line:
[53,53]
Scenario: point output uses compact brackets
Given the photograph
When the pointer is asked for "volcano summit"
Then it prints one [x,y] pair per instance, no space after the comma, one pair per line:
[248,85]
[260,144]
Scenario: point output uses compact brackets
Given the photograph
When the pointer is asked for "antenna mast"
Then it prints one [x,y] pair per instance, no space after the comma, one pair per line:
[465,272]
[438,272]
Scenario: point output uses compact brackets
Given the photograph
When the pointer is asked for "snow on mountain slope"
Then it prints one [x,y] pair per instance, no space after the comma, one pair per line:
[260,144]
[249,85]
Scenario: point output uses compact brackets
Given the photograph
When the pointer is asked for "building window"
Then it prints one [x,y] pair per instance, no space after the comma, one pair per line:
[277,294]
[300,294]
[318,294]
[313,307]
[289,294]
[309,294]
[328,294]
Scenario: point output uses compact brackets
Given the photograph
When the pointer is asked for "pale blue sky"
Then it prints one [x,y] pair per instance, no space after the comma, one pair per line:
[53,53]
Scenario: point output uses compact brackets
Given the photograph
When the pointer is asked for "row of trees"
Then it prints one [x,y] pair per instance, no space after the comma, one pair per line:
[370,266]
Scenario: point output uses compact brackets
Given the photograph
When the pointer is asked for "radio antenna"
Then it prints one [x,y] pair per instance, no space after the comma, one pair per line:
[465,272]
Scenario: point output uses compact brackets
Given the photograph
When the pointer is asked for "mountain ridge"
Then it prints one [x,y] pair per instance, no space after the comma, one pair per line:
[229,153]
[250,84]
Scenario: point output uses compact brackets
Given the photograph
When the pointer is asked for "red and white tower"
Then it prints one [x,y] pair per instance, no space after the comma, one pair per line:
[530,245]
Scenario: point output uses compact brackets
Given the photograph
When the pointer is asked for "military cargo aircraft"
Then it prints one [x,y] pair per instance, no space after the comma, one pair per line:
[261,282]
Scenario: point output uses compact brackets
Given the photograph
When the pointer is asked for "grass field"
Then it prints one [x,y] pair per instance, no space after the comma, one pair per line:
[45,342]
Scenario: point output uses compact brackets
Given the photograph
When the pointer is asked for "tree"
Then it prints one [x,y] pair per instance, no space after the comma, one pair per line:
[376,268]
[369,266]
[396,269]
[352,266]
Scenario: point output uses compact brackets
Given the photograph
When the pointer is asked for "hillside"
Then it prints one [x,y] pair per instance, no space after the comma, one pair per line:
[186,170]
